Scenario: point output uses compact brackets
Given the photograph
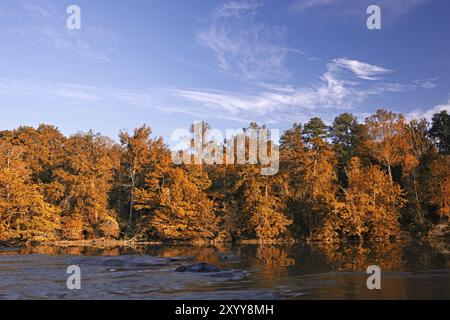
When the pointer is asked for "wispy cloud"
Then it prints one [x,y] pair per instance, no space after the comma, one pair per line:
[309,4]
[427,84]
[428,114]
[245,47]
[360,69]
[345,85]
[76,93]
[82,96]
[42,21]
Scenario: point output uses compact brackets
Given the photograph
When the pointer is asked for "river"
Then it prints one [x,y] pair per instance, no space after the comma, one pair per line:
[409,270]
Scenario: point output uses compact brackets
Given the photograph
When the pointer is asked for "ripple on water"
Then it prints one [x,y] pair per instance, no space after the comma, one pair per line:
[247,272]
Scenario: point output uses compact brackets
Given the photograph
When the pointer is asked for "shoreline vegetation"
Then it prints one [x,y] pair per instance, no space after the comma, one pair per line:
[384,179]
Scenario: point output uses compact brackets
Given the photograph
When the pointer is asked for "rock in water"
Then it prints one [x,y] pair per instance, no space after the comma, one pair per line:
[198,267]
[229,258]
[231,274]
[214,272]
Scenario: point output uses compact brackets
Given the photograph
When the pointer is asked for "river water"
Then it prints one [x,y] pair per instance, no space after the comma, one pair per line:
[410,270]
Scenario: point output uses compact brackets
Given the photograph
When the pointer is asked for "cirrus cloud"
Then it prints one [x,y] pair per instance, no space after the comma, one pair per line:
[245,47]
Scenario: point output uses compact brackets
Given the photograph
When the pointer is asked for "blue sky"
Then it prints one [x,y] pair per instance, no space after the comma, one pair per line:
[170,63]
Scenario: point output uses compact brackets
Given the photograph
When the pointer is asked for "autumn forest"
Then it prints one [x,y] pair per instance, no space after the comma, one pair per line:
[378,180]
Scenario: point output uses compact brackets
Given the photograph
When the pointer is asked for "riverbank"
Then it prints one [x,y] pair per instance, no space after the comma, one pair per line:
[438,235]
[5,244]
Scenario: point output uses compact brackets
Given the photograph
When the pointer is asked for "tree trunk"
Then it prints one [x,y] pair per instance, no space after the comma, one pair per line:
[133,184]
[390,172]
[419,216]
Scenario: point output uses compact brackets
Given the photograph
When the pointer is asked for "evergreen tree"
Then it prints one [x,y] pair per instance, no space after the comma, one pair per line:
[440,131]
[348,138]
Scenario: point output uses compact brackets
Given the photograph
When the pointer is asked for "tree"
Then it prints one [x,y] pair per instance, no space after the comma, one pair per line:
[82,186]
[350,181]
[172,200]
[386,142]
[435,178]
[135,151]
[369,209]
[440,131]
[262,204]
[348,138]
[184,211]
[24,214]
[254,204]
[416,136]
[315,129]
[43,150]
[310,177]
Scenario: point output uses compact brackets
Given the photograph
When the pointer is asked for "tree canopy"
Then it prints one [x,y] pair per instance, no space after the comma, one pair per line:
[347,180]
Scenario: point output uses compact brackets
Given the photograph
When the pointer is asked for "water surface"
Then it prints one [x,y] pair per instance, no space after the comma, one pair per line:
[412,270]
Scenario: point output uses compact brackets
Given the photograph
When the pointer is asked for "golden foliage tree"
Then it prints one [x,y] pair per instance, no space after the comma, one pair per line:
[82,186]
[184,211]
[262,205]
[24,214]
[308,161]
[436,186]
[135,154]
[369,209]
[386,143]
[350,180]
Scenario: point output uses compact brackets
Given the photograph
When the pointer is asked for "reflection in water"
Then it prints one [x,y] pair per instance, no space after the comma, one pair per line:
[278,271]
[76,250]
[202,253]
[273,256]
[271,261]
[347,257]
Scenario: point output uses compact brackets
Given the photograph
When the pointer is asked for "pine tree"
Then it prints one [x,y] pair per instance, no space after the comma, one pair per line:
[440,131]
[348,137]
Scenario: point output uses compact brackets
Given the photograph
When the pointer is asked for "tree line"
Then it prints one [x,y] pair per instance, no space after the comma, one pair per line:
[363,181]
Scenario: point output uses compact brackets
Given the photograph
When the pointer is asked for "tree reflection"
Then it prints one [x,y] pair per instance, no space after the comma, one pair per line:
[357,257]
[273,256]
[273,259]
